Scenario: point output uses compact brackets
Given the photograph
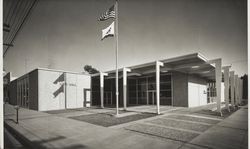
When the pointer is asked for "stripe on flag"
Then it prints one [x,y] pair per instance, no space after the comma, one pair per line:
[110,13]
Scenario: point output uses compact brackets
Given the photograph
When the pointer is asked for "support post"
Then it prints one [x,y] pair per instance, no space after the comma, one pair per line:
[238,86]
[232,84]
[218,78]
[125,70]
[136,91]
[17,116]
[241,90]
[236,90]
[158,64]
[65,89]
[218,84]
[102,88]
[147,89]
[226,84]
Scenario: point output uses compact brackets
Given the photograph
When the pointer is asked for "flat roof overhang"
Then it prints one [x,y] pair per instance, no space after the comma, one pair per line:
[195,64]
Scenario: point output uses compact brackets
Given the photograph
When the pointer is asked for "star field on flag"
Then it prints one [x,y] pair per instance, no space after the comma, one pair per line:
[110,13]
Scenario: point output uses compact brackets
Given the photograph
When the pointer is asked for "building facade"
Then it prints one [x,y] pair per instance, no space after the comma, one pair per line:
[46,89]
[184,81]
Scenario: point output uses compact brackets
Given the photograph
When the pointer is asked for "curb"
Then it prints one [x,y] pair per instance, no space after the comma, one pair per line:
[22,139]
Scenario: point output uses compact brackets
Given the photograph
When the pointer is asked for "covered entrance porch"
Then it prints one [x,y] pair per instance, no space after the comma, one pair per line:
[141,90]
[165,82]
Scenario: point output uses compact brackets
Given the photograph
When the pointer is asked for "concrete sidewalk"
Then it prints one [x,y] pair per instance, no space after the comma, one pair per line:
[231,133]
[42,130]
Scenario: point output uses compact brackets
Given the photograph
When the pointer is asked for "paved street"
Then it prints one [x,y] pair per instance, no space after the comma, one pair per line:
[173,129]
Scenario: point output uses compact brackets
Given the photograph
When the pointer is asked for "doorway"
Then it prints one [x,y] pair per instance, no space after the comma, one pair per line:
[87,101]
[108,98]
[151,97]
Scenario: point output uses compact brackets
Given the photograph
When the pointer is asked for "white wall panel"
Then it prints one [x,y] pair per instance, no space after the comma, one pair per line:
[197,94]
[193,95]
[51,95]
[52,90]
[71,90]
[76,83]
[222,92]
[203,94]
[83,82]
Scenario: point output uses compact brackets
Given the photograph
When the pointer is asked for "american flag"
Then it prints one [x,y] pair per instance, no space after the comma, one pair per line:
[110,13]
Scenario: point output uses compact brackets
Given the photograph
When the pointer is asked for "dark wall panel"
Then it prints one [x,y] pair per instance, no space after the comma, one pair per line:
[33,90]
[180,89]
[13,92]
[95,91]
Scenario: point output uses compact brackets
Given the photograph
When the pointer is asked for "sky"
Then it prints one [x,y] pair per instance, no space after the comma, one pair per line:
[63,34]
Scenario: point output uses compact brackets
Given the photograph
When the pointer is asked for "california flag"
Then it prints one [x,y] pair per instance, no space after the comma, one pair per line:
[109,31]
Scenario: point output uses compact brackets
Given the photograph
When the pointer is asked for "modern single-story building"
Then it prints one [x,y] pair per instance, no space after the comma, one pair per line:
[184,81]
[46,89]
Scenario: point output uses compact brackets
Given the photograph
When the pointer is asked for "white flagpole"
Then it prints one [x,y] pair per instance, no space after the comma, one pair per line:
[116,39]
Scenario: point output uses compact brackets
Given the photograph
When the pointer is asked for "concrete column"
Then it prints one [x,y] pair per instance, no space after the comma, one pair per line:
[125,70]
[236,89]
[158,64]
[241,90]
[136,91]
[24,96]
[102,87]
[226,84]
[232,85]
[218,78]
[218,83]
[238,86]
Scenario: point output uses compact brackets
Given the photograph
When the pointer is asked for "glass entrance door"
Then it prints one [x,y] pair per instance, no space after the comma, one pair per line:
[108,98]
[152,97]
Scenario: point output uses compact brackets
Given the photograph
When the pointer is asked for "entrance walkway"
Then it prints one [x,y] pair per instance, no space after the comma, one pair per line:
[173,129]
[152,108]
[166,109]
[231,133]
[198,131]
[43,130]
